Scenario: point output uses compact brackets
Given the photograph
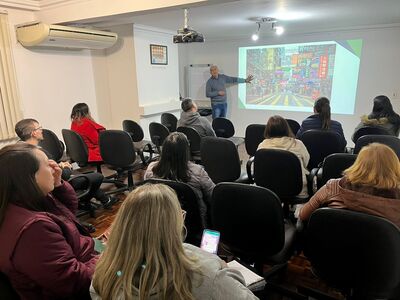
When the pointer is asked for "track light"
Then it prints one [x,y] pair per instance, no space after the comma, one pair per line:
[256,35]
[277,29]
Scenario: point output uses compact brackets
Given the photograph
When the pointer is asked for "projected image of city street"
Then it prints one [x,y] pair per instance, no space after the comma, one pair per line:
[293,75]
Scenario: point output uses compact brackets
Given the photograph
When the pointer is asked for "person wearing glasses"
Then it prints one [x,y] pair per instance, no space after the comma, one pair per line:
[31,132]
[146,258]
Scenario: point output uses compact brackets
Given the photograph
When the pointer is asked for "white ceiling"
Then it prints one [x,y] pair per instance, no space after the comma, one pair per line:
[231,20]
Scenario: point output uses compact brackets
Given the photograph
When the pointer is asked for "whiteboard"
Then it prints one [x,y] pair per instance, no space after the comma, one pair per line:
[197,76]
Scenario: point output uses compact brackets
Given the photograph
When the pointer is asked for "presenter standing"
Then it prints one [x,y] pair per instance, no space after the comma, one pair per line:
[216,91]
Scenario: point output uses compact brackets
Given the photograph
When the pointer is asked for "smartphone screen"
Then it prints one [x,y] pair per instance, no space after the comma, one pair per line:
[210,240]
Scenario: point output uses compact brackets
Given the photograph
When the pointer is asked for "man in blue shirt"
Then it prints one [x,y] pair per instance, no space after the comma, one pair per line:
[215,89]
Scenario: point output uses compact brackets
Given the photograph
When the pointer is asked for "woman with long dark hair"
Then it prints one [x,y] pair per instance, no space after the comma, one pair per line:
[321,119]
[87,128]
[45,253]
[382,116]
[174,164]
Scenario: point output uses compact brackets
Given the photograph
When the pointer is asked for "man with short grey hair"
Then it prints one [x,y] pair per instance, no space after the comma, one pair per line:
[191,118]
[216,90]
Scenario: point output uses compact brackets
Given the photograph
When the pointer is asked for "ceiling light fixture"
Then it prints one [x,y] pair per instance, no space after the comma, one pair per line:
[256,35]
[277,29]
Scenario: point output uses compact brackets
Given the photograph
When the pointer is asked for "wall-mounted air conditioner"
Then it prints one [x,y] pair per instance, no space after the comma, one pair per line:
[44,35]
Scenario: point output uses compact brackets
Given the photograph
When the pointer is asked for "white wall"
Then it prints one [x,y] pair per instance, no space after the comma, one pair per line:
[378,71]
[51,81]
[157,85]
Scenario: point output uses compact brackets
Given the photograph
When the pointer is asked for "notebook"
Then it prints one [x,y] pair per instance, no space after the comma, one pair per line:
[253,281]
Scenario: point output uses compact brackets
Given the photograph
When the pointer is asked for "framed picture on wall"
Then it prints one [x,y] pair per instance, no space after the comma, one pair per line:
[158,55]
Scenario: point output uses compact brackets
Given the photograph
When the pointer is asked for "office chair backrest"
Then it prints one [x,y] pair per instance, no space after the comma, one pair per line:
[170,121]
[116,148]
[52,145]
[220,159]
[134,130]
[190,203]
[6,289]
[389,140]
[294,125]
[158,133]
[223,127]
[76,147]
[369,130]
[253,137]
[249,218]
[352,250]
[279,171]
[334,165]
[194,139]
[321,143]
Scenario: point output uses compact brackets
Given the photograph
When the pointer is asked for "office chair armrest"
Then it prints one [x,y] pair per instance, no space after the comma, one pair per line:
[349,150]
[85,191]
[248,169]
[312,181]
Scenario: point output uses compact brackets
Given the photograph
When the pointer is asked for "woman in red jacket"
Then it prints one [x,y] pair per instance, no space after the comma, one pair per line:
[45,253]
[88,129]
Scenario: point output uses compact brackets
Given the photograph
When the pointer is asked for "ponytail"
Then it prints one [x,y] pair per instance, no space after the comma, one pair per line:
[323,109]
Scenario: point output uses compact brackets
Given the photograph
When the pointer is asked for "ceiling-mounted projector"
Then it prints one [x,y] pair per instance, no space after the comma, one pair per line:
[188,35]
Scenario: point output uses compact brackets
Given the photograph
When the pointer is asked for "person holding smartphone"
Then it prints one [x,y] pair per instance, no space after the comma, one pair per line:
[145,249]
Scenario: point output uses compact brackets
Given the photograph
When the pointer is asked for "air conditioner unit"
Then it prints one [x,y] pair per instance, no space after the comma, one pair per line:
[44,35]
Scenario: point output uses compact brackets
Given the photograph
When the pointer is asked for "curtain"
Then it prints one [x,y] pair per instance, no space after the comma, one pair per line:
[10,111]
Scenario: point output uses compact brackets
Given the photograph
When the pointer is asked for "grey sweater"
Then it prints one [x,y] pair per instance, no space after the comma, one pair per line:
[216,282]
[199,123]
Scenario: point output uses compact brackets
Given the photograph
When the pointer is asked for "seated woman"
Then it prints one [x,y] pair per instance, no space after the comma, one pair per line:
[174,165]
[45,253]
[371,185]
[382,116]
[321,119]
[146,259]
[88,129]
[278,135]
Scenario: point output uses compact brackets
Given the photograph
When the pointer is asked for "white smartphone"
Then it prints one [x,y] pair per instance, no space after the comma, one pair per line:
[210,240]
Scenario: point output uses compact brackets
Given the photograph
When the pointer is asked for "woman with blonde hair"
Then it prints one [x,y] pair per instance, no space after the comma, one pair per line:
[146,259]
[371,185]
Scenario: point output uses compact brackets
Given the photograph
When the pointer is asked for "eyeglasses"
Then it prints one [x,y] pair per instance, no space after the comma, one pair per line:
[37,128]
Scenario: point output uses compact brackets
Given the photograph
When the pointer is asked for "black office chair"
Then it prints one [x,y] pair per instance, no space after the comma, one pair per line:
[224,128]
[7,292]
[389,140]
[190,203]
[142,146]
[252,226]
[253,137]
[118,151]
[333,167]
[321,143]
[280,171]
[158,133]
[220,159]
[77,149]
[354,252]
[194,141]
[368,130]
[52,145]
[170,121]
[294,125]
